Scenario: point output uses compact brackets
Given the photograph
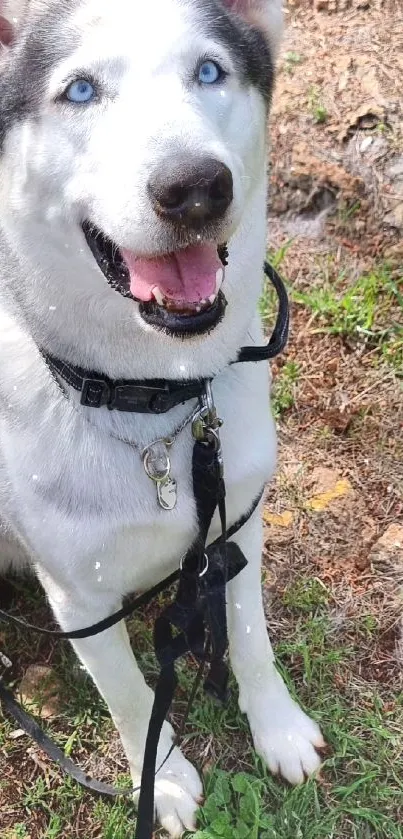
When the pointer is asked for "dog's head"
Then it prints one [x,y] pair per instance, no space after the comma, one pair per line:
[132,141]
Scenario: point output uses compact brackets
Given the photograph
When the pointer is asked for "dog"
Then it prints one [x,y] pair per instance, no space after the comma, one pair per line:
[133,148]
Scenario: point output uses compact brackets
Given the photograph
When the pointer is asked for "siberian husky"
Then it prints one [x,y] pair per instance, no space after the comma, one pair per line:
[132,147]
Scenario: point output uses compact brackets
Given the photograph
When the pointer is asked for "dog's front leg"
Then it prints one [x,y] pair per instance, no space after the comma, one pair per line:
[282,733]
[109,660]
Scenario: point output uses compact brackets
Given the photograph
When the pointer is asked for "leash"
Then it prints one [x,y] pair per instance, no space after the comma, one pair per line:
[195,621]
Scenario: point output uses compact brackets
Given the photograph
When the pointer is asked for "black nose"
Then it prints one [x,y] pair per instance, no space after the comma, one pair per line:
[191,192]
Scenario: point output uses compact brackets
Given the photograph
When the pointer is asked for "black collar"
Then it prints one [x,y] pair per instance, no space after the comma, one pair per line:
[156,396]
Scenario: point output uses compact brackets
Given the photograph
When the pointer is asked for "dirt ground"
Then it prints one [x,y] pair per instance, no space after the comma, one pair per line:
[334,513]
[337,194]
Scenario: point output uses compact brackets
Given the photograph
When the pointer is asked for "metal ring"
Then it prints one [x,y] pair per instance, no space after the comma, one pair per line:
[208,396]
[206,565]
[166,440]
[160,478]
[205,569]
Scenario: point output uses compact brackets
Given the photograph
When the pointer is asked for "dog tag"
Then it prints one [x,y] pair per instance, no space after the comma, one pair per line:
[166,493]
[157,465]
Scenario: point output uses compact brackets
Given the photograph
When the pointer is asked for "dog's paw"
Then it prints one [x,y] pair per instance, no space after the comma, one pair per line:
[284,736]
[178,794]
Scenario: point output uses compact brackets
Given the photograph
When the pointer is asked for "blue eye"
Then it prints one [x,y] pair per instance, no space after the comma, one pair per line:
[80,91]
[210,72]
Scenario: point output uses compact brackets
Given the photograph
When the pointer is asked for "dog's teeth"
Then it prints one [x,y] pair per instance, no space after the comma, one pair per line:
[204,301]
[212,298]
[218,280]
[198,308]
[158,296]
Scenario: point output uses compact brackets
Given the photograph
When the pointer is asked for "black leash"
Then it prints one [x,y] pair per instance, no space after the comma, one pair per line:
[279,336]
[195,622]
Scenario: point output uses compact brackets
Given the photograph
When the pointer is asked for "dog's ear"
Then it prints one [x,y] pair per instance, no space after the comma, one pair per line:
[266,15]
[11,11]
[6,31]
[6,25]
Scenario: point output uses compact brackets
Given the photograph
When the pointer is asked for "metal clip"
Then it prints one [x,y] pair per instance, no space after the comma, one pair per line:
[206,425]
[157,465]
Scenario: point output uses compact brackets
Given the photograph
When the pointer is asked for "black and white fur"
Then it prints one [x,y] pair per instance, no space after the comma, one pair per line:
[75,502]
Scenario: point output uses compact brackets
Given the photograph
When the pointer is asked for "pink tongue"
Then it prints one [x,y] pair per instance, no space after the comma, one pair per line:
[186,276]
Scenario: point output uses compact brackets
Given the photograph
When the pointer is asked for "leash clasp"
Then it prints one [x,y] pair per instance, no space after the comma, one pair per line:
[206,424]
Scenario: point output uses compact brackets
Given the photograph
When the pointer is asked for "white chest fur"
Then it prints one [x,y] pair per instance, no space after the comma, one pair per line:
[87,498]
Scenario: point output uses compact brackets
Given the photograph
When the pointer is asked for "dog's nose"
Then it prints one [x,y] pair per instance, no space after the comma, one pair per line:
[192,192]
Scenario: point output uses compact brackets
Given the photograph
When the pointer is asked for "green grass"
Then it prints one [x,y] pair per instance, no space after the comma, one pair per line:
[283,389]
[361,791]
[316,107]
[304,595]
[19,831]
[291,61]
[369,310]
[359,794]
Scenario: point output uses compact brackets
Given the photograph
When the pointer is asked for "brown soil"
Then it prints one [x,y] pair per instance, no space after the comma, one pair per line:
[346,58]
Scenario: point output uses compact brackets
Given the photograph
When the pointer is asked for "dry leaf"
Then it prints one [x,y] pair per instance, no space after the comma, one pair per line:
[322,500]
[40,690]
[395,217]
[279,519]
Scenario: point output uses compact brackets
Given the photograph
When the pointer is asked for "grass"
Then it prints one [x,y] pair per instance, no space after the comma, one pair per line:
[284,385]
[316,107]
[291,61]
[368,311]
[359,793]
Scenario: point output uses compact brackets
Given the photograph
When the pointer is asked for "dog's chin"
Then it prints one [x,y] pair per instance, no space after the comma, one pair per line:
[176,317]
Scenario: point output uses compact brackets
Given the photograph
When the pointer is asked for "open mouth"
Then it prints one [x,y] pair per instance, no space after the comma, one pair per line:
[179,292]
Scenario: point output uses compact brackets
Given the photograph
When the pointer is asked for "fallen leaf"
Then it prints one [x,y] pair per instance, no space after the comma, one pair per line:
[393,254]
[279,519]
[370,84]
[40,690]
[395,217]
[392,538]
[321,479]
[322,500]
[15,735]
[343,81]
